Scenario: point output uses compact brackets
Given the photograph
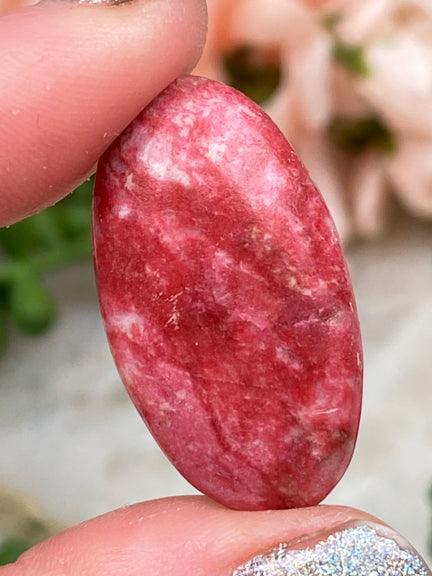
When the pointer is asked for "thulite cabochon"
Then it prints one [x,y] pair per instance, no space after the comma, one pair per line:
[226,299]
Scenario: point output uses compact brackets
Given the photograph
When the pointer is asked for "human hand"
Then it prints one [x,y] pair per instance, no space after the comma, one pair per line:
[74,76]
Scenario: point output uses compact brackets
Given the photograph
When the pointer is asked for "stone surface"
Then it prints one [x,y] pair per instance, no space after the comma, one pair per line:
[226,300]
[74,447]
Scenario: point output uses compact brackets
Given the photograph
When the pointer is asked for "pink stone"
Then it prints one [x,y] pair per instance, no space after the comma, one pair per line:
[227,301]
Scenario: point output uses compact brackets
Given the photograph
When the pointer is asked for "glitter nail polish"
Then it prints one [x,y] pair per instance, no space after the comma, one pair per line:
[354,550]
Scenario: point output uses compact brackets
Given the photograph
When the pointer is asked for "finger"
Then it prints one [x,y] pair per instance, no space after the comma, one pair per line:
[179,537]
[7,5]
[73,75]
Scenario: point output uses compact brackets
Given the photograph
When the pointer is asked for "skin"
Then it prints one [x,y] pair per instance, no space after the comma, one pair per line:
[173,537]
[59,110]
[73,77]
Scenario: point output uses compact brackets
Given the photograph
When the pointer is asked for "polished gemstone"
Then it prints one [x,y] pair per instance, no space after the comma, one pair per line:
[227,301]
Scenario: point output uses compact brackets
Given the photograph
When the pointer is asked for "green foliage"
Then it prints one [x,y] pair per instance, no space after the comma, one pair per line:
[351,57]
[356,135]
[30,304]
[11,550]
[256,75]
[331,20]
[3,318]
[46,241]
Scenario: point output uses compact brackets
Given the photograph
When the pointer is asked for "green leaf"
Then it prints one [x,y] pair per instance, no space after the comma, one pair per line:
[31,236]
[351,57]
[331,20]
[69,218]
[11,550]
[75,221]
[83,194]
[22,239]
[3,317]
[356,135]
[255,74]
[46,225]
[74,213]
[31,306]
[46,241]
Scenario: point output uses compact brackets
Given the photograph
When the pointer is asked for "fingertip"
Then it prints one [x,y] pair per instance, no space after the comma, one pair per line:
[176,536]
[73,76]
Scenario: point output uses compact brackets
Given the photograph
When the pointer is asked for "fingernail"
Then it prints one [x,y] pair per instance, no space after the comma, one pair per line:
[356,549]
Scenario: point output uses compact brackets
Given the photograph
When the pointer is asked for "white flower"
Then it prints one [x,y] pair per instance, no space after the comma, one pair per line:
[394,37]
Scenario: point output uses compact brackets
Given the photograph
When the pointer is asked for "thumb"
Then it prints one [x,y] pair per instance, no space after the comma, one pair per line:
[74,74]
[193,536]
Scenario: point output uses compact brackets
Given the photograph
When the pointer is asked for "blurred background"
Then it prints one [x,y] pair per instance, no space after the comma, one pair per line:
[350,84]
